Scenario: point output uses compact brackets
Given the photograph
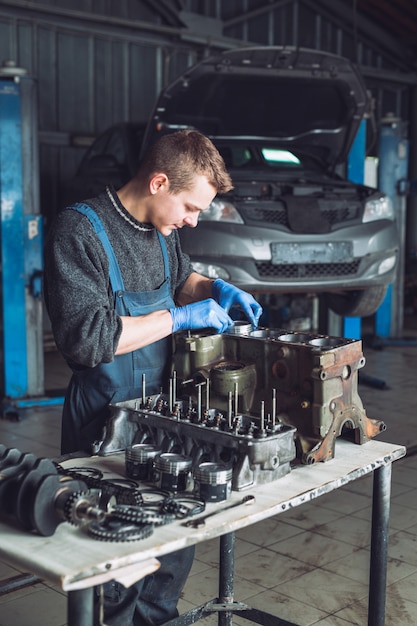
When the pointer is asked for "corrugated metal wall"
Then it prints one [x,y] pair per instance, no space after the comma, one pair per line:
[98,62]
[90,73]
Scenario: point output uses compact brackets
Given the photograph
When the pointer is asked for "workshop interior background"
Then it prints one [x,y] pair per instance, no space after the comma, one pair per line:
[96,63]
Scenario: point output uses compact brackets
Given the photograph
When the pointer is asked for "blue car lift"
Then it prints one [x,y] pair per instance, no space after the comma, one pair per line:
[351,327]
[393,170]
[21,247]
[393,149]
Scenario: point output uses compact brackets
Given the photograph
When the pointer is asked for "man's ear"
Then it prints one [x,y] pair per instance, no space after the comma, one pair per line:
[158,182]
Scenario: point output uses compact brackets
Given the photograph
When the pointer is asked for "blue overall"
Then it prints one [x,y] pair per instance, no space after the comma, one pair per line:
[153,599]
[92,389]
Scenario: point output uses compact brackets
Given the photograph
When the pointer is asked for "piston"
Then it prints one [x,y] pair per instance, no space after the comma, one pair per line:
[240,328]
[172,471]
[138,460]
[213,482]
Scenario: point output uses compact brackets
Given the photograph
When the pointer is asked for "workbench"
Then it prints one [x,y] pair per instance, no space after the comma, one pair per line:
[76,562]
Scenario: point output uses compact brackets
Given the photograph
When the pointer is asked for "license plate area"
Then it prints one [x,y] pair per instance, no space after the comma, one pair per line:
[299,253]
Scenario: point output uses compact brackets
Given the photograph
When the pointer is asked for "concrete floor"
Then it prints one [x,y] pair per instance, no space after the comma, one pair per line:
[308,565]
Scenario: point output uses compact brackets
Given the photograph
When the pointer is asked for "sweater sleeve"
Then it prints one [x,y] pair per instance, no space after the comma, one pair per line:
[78,295]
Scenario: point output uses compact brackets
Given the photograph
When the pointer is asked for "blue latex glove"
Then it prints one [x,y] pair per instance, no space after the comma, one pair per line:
[228,295]
[203,314]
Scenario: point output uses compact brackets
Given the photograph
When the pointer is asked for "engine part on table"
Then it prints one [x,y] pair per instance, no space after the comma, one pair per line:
[47,507]
[142,515]
[12,464]
[183,505]
[40,494]
[118,494]
[132,523]
[33,493]
[112,528]
[138,460]
[199,522]
[213,481]
[315,378]
[82,507]
[257,450]
[118,491]
[27,489]
[172,471]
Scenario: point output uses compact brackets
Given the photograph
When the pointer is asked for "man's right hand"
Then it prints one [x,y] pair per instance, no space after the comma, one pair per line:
[203,314]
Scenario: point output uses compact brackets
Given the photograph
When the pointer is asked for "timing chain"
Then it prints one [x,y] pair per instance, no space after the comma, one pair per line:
[122,490]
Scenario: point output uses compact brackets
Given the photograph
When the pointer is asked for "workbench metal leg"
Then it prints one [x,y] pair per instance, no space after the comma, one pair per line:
[226,576]
[80,607]
[379,545]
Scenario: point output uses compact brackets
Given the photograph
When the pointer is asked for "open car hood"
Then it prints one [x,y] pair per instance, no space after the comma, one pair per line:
[295,97]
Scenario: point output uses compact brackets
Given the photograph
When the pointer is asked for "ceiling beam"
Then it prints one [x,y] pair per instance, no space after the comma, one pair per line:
[365,27]
[398,17]
[243,17]
[165,10]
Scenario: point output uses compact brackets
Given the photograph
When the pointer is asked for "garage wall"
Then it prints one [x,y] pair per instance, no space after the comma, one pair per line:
[90,74]
[98,62]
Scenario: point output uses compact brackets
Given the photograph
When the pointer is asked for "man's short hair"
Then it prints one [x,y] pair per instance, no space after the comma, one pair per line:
[182,155]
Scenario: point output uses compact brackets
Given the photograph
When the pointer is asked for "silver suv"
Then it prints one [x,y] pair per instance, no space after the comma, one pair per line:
[284,120]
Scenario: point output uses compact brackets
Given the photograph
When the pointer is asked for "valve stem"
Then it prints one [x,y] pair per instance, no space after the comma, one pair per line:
[229,409]
[174,387]
[274,407]
[207,395]
[170,399]
[236,398]
[143,389]
[199,403]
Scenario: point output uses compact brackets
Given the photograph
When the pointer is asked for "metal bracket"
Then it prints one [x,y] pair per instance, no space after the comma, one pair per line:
[216,606]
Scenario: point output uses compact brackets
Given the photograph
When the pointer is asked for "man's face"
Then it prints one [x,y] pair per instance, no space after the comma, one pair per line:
[172,211]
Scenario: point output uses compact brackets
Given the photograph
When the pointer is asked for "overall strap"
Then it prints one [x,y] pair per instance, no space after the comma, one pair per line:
[167,272]
[116,279]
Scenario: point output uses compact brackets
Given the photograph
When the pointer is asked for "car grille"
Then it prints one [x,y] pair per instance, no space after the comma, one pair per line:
[312,270]
[276,213]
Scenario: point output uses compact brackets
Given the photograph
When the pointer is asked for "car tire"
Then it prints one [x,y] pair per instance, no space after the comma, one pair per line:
[356,303]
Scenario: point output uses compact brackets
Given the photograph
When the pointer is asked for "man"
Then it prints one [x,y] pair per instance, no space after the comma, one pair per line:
[117,285]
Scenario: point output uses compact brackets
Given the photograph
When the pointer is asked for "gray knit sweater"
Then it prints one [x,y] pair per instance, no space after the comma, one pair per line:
[78,295]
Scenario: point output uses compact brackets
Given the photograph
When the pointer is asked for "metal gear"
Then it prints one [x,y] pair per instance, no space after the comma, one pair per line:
[83,506]
[113,529]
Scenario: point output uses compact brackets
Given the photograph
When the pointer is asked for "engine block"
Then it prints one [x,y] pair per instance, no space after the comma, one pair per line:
[313,377]
[253,400]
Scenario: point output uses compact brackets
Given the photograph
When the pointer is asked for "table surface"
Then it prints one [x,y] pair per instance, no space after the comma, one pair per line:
[72,560]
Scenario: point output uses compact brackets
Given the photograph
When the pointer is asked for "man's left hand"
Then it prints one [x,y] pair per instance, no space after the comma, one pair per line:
[228,295]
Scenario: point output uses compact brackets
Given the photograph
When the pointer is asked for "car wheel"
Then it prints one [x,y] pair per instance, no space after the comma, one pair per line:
[356,303]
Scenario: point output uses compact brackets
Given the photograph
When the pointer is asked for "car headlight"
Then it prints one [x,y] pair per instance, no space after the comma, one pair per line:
[378,207]
[210,270]
[387,264]
[221,211]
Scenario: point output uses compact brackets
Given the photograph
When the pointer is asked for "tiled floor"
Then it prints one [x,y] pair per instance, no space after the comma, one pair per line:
[308,565]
